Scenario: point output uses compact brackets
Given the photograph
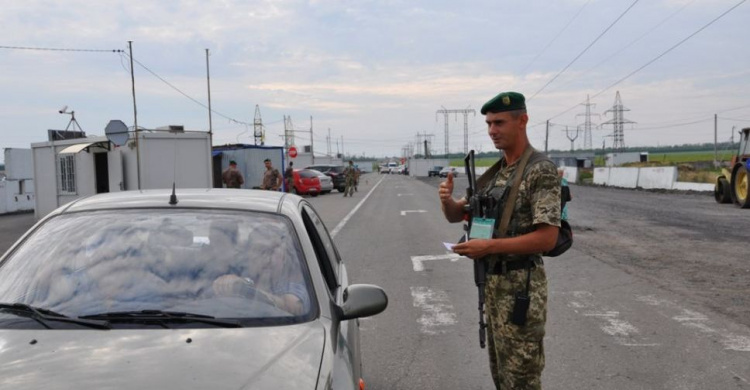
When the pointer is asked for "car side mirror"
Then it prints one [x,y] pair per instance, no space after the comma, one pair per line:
[363,300]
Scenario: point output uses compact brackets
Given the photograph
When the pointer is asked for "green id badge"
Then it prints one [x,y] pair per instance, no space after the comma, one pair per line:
[482,228]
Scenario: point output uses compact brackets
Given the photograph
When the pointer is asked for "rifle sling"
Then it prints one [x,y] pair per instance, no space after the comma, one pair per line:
[511,201]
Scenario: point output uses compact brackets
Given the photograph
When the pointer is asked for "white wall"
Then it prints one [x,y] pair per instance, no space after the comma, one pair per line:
[601,176]
[623,177]
[46,179]
[12,199]
[182,158]
[657,177]
[570,174]
[19,163]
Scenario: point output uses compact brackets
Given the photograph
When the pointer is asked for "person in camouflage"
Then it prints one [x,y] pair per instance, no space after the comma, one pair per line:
[516,351]
[350,173]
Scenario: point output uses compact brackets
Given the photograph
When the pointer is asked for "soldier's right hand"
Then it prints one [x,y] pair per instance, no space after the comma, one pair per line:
[446,189]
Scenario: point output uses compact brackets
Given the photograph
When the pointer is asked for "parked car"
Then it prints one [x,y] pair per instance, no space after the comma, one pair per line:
[191,289]
[445,171]
[434,171]
[306,182]
[384,169]
[335,172]
[326,183]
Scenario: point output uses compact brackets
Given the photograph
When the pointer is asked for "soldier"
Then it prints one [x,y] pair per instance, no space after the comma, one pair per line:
[516,278]
[350,174]
[232,177]
[271,177]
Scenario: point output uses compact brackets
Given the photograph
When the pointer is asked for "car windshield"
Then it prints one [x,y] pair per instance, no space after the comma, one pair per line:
[240,265]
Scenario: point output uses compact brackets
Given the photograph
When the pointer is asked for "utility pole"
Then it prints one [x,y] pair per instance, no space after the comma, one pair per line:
[446,112]
[342,146]
[258,127]
[312,155]
[135,116]
[587,141]
[546,138]
[210,122]
[716,131]
[328,143]
[288,132]
[617,121]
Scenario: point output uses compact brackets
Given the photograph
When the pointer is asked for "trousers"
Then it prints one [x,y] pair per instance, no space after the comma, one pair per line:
[516,352]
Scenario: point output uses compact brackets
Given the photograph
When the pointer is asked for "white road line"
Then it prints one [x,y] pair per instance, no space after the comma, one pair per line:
[343,222]
[417,261]
[624,333]
[403,212]
[404,195]
[700,322]
[437,310]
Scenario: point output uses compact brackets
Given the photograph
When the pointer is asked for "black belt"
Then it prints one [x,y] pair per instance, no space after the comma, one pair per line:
[510,266]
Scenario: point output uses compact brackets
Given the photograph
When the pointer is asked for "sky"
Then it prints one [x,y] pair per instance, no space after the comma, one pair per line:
[375,72]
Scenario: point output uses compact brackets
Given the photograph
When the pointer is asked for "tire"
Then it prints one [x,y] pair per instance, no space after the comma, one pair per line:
[722,191]
[294,190]
[740,185]
[314,194]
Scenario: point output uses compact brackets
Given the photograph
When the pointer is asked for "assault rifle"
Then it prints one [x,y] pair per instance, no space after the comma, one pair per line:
[474,209]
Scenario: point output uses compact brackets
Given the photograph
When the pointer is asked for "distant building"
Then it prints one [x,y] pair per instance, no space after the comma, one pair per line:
[17,181]
[572,159]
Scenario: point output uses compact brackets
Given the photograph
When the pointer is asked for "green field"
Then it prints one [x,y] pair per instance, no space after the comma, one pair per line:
[668,158]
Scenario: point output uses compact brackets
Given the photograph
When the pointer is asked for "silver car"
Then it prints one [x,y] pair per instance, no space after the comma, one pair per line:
[326,183]
[199,289]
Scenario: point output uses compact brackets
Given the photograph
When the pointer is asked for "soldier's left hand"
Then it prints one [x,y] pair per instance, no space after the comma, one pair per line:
[474,249]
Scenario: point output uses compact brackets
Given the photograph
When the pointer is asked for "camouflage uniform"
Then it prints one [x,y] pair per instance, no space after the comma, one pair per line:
[517,352]
[350,174]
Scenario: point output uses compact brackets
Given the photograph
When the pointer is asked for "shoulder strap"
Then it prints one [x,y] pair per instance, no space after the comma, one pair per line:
[511,201]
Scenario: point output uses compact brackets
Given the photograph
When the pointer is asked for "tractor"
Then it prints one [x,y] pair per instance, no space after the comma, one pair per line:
[733,185]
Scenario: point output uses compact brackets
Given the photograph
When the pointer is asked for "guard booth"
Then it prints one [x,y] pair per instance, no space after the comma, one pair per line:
[68,169]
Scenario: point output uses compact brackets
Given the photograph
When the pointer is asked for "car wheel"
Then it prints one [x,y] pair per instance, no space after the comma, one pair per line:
[294,190]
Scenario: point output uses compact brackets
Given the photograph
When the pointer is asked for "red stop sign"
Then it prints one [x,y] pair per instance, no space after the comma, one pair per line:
[292,152]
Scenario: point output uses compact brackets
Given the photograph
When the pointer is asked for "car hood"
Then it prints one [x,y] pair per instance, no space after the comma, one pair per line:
[282,357]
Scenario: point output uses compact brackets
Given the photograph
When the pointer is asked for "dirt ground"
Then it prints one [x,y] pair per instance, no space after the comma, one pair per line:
[684,242]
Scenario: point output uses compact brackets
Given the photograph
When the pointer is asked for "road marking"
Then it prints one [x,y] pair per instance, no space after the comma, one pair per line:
[404,195]
[417,261]
[624,333]
[700,322]
[403,212]
[437,310]
[343,222]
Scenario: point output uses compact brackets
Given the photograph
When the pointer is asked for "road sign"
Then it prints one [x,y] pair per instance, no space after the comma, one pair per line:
[292,152]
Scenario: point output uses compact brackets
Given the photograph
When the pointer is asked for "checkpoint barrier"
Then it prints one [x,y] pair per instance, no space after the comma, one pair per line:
[647,178]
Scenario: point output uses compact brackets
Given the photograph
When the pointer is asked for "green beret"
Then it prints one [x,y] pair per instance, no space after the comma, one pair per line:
[505,101]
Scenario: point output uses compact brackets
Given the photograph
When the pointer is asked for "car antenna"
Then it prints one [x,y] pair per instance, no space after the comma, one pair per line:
[173,197]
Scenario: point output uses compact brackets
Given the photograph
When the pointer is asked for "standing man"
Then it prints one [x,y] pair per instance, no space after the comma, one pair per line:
[289,177]
[514,261]
[271,177]
[232,177]
[350,174]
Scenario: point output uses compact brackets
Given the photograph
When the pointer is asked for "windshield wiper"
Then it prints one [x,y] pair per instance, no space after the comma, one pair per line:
[42,315]
[161,316]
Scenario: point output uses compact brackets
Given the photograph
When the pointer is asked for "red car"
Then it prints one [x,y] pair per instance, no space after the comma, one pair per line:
[306,182]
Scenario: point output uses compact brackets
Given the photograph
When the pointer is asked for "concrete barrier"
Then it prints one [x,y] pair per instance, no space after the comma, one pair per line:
[685,186]
[657,177]
[570,174]
[623,177]
[601,176]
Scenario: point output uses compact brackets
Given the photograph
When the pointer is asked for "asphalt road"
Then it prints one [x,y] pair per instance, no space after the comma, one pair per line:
[653,294]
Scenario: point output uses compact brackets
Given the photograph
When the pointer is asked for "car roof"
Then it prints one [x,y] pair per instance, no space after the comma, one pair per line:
[213,198]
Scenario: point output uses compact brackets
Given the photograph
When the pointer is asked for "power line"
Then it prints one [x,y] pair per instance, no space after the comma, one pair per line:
[657,58]
[670,49]
[188,96]
[631,42]
[555,37]
[61,49]
[585,50]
